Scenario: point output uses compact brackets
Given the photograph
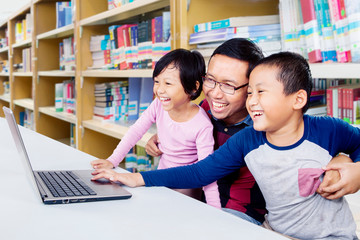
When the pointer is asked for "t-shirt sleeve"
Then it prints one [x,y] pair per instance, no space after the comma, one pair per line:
[348,138]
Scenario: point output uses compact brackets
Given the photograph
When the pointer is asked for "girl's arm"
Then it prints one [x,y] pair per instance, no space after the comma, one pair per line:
[134,134]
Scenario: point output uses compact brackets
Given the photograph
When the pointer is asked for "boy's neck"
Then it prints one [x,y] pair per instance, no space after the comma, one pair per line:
[289,134]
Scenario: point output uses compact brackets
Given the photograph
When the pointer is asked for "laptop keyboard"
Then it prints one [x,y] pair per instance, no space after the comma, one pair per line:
[65,184]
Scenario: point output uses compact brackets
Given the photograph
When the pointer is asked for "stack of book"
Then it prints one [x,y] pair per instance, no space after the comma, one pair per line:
[322,30]
[100,51]
[4,42]
[343,100]
[263,30]
[23,29]
[111,101]
[26,119]
[135,46]
[67,54]
[137,160]
[26,60]
[63,14]
[65,96]
[4,64]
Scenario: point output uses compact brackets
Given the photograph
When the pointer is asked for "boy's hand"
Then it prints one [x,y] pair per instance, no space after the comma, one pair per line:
[129,179]
[151,147]
[349,182]
[101,163]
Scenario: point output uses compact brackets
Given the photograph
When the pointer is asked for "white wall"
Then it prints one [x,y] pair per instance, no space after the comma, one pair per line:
[8,7]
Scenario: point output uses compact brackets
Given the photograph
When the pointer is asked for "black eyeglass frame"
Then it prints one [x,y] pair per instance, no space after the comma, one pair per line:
[221,84]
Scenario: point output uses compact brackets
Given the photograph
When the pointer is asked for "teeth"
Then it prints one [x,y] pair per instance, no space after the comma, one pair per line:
[218,105]
[257,114]
[164,99]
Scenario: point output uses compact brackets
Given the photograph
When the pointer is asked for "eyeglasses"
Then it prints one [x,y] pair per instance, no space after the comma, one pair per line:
[224,87]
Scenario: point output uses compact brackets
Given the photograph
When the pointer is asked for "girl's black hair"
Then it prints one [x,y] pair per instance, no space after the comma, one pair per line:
[191,66]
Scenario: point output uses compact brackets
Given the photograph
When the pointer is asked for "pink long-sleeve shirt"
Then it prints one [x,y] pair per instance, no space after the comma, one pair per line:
[182,143]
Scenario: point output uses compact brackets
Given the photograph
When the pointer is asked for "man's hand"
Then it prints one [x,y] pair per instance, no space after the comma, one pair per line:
[129,179]
[349,182]
[151,147]
[101,163]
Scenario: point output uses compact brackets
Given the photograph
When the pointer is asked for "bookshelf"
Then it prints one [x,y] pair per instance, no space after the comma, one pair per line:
[4,76]
[48,37]
[21,79]
[97,138]
[35,90]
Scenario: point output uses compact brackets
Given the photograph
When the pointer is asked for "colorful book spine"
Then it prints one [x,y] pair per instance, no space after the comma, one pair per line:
[341,30]
[236,22]
[353,14]
[326,31]
[312,35]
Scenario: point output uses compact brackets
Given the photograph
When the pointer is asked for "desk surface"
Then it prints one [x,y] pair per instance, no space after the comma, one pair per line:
[151,213]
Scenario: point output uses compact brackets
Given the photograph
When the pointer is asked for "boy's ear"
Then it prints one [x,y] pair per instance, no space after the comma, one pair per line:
[300,99]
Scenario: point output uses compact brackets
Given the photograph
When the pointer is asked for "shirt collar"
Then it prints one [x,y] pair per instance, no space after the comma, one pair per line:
[248,121]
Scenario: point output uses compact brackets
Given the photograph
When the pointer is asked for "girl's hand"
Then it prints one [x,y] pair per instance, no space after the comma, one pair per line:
[151,147]
[101,163]
[129,179]
[349,182]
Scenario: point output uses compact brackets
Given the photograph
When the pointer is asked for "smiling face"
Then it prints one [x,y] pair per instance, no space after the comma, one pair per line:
[229,108]
[271,110]
[169,90]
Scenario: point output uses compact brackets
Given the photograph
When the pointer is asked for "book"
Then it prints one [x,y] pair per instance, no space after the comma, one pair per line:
[236,22]
[255,34]
[134,98]
[353,10]
[213,35]
[327,43]
[256,28]
[311,31]
[341,30]
[146,94]
[59,97]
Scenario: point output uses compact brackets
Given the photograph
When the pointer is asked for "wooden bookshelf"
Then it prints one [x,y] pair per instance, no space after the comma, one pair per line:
[67,117]
[5,97]
[35,90]
[27,103]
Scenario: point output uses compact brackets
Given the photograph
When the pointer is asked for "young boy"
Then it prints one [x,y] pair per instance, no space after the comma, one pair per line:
[285,150]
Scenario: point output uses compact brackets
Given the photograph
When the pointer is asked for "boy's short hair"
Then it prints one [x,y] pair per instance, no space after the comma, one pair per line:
[241,49]
[293,72]
[191,66]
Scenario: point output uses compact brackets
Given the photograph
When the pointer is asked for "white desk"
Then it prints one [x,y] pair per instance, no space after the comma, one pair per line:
[151,213]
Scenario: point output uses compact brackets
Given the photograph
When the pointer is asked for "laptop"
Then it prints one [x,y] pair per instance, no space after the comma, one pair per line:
[57,187]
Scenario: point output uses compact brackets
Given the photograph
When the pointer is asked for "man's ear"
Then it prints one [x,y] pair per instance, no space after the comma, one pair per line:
[300,99]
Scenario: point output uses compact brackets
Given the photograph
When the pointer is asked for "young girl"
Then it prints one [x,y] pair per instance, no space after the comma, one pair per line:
[184,130]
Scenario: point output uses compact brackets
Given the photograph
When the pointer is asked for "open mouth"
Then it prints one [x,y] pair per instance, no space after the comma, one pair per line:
[218,106]
[257,114]
[164,99]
